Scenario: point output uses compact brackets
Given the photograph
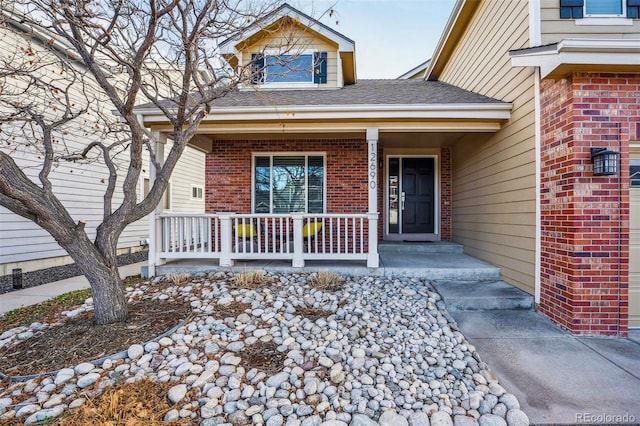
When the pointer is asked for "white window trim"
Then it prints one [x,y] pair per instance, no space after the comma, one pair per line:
[612,20]
[201,190]
[306,154]
[607,15]
[292,84]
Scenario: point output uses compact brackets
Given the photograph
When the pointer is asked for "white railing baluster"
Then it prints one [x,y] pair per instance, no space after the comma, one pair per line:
[269,236]
[361,235]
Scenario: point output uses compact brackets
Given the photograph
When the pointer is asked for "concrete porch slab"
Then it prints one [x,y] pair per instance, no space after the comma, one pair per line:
[416,265]
[557,377]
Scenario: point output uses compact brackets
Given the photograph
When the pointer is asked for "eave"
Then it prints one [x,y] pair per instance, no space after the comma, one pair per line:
[454,29]
[569,56]
[487,117]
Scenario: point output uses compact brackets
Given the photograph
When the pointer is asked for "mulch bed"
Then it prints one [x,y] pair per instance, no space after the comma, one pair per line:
[233,309]
[312,313]
[80,340]
[264,356]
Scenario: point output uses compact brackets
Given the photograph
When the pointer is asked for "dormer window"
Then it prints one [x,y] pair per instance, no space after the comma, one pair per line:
[303,69]
[593,10]
[603,8]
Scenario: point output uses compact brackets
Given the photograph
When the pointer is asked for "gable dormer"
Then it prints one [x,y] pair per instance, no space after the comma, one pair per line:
[290,50]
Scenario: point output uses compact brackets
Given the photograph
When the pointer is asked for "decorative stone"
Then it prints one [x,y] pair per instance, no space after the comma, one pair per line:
[362,420]
[491,420]
[391,418]
[83,368]
[441,418]
[177,393]
[87,380]
[135,351]
[419,418]
[64,376]
[517,417]
[277,380]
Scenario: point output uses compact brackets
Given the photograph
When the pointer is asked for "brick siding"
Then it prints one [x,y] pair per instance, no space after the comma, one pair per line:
[585,218]
[446,194]
[228,172]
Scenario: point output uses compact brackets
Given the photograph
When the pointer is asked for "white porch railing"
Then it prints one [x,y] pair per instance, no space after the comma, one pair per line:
[296,237]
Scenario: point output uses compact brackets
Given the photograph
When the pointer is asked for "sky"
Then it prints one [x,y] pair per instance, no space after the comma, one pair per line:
[391,36]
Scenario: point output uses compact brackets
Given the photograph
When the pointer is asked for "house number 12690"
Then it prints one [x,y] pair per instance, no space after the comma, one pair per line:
[373,160]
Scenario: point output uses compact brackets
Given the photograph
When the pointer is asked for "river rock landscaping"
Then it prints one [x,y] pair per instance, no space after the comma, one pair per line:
[294,349]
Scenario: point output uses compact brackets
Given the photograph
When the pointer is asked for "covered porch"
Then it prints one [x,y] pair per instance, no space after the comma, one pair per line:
[299,178]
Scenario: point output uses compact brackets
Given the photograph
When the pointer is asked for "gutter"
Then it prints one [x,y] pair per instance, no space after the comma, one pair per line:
[500,111]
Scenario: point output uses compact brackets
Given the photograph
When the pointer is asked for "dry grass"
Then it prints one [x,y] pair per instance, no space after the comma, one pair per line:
[140,403]
[178,279]
[327,281]
[250,279]
[45,312]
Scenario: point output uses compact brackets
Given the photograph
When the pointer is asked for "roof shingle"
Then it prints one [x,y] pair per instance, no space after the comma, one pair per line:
[364,92]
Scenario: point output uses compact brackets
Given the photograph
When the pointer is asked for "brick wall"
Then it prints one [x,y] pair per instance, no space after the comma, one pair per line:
[228,176]
[585,218]
[228,173]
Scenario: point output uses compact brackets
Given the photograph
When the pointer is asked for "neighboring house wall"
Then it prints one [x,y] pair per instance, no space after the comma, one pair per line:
[585,218]
[189,173]
[494,177]
[554,29]
[284,36]
[80,187]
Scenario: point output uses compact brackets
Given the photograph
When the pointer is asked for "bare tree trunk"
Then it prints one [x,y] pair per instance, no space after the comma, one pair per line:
[100,269]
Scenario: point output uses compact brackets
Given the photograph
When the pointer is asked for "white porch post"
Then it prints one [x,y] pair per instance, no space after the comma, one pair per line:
[298,257]
[226,239]
[372,170]
[155,222]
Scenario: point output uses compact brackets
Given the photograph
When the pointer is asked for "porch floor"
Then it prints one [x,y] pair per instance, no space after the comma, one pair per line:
[435,261]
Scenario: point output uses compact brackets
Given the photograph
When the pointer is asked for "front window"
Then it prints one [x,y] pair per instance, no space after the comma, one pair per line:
[288,69]
[634,173]
[603,7]
[288,183]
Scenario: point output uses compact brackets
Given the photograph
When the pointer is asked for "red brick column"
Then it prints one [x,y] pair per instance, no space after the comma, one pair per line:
[585,218]
[446,195]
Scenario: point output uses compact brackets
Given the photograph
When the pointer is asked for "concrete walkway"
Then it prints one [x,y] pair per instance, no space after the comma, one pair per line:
[557,377]
[34,295]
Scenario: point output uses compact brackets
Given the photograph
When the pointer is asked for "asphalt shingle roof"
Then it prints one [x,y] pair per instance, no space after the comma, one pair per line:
[364,92]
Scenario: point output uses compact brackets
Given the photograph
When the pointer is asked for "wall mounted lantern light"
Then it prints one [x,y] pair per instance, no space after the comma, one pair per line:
[605,162]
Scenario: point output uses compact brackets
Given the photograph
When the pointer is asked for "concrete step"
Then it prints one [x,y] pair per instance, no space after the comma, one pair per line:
[415,247]
[482,296]
[438,266]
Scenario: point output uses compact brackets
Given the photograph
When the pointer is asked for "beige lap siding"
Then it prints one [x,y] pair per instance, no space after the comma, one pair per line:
[494,196]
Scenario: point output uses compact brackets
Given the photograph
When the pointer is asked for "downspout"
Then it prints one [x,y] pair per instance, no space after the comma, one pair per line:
[620,231]
[535,39]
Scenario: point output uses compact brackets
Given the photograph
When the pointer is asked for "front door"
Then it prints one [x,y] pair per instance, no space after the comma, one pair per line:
[411,195]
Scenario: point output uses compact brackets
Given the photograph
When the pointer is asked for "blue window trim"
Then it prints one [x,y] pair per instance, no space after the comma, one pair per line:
[575,9]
